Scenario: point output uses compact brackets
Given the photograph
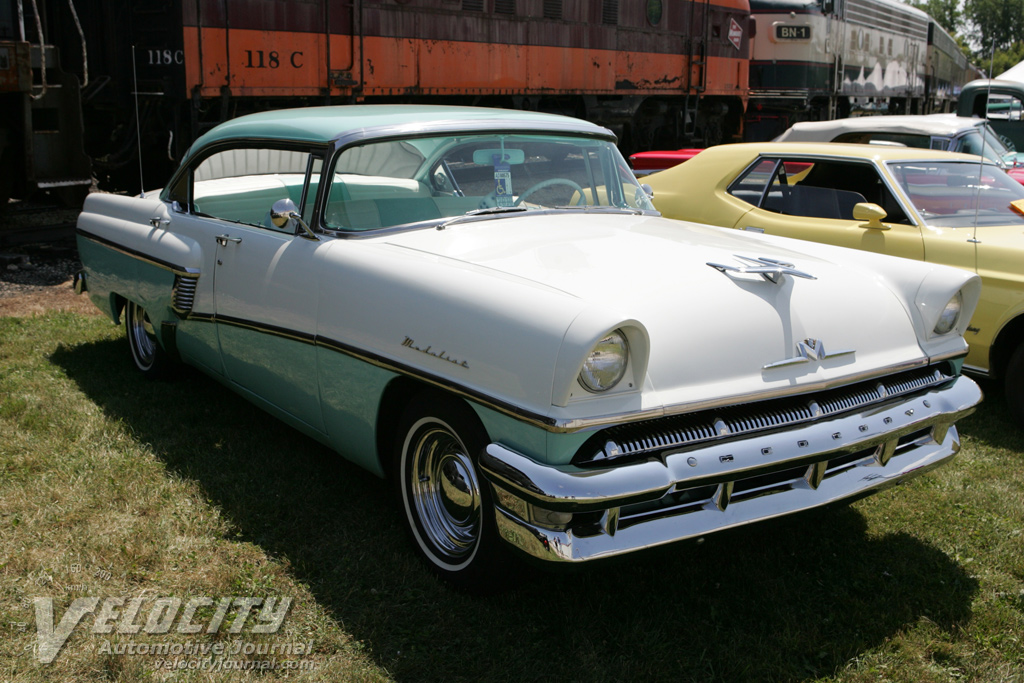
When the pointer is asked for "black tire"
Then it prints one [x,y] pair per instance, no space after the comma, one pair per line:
[1013,386]
[149,357]
[446,503]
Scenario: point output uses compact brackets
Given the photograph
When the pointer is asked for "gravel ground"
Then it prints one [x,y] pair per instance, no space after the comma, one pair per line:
[35,278]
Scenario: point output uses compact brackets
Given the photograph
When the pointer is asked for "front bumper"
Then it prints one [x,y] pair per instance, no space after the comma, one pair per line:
[573,514]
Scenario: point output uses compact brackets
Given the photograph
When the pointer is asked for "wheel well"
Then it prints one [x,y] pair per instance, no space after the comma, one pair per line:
[397,395]
[1009,337]
[117,304]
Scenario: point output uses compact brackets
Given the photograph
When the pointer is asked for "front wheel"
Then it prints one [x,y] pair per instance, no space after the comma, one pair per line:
[447,504]
[150,358]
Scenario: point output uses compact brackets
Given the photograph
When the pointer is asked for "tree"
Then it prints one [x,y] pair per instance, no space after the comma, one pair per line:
[946,12]
[1004,59]
[997,24]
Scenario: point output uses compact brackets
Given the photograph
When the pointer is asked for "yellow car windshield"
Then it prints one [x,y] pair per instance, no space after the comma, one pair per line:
[955,194]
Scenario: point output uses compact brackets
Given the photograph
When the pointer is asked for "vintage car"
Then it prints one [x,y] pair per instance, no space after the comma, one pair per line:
[927,131]
[646,163]
[1000,100]
[483,306]
[932,206]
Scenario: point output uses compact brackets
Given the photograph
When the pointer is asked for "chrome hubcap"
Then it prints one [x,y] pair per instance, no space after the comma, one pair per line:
[142,335]
[445,493]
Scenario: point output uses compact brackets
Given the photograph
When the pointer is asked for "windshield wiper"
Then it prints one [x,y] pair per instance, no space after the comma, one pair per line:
[592,208]
[476,213]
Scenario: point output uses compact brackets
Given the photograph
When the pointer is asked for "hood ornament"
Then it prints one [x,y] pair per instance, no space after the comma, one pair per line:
[770,269]
[806,351]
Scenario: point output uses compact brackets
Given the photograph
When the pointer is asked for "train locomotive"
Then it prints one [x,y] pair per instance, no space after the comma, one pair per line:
[826,59]
[159,74]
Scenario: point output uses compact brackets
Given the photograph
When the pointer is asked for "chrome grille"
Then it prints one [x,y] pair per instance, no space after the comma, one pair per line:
[648,438]
[184,293]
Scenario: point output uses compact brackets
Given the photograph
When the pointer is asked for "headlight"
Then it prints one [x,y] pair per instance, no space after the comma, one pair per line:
[606,363]
[950,315]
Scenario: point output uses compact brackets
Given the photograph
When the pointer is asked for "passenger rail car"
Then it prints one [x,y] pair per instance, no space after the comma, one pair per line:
[834,58]
[658,73]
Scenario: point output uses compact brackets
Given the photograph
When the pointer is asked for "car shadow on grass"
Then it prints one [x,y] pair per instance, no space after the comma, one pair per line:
[784,600]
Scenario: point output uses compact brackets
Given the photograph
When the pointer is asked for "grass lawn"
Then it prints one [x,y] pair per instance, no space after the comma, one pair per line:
[113,486]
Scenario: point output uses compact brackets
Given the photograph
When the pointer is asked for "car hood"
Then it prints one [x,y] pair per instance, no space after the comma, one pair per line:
[709,333]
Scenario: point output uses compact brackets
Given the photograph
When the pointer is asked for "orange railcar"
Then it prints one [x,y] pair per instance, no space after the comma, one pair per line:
[657,72]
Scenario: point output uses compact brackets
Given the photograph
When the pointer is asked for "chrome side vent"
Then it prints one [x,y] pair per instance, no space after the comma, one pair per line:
[183,294]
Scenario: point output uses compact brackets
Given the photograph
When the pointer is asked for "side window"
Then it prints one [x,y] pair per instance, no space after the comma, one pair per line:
[751,185]
[242,184]
[1005,107]
[830,189]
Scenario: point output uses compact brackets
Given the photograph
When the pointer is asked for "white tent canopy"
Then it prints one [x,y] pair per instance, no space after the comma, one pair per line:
[1015,73]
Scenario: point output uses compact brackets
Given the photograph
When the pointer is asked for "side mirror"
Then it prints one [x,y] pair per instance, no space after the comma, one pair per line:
[872,213]
[648,189]
[283,211]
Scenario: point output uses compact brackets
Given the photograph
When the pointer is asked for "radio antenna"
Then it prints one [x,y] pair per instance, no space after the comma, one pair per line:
[984,139]
[138,126]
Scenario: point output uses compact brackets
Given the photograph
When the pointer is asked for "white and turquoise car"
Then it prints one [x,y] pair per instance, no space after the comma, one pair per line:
[483,306]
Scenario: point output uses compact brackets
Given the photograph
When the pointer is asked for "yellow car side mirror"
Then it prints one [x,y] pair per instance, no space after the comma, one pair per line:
[872,213]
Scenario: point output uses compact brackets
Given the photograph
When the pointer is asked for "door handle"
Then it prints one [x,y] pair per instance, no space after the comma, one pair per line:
[223,240]
[158,222]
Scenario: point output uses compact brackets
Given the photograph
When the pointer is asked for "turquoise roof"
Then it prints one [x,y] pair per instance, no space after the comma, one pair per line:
[325,124]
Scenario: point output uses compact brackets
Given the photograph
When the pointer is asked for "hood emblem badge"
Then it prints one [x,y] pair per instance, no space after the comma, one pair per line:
[770,269]
[806,351]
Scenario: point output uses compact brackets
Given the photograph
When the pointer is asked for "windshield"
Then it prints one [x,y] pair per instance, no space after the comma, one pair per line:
[984,141]
[949,194]
[400,182]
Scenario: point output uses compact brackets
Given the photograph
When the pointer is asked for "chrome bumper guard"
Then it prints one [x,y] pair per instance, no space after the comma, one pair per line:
[574,514]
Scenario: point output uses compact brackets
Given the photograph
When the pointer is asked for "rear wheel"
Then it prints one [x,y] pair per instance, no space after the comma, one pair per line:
[149,357]
[1013,383]
[445,500]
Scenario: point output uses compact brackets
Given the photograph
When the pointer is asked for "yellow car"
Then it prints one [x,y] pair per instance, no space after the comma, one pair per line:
[906,202]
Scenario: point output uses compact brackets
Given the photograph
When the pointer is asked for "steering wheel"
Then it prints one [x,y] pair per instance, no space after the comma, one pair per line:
[548,183]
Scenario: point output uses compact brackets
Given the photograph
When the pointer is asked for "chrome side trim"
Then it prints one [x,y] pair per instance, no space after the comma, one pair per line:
[975,370]
[690,494]
[512,410]
[121,249]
